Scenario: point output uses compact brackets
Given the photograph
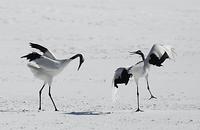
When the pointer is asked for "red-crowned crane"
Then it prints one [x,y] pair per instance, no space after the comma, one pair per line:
[47,66]
[157,55]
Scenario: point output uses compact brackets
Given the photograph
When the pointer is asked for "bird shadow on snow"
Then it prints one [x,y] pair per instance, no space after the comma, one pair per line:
[88,113]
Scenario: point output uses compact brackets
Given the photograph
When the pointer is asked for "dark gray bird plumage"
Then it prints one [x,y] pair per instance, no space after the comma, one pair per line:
[32,56]
[154,60]
[121,76]
[39,47]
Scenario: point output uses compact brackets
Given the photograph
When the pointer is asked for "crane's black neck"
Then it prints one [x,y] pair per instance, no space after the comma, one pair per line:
[75,56]
[142,55]
[81,59]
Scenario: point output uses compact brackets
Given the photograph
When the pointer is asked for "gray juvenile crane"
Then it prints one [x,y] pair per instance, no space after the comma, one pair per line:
[47,66]
[157,55]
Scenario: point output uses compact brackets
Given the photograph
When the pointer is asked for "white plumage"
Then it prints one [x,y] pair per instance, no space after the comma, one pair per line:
[157,55]
[47,66]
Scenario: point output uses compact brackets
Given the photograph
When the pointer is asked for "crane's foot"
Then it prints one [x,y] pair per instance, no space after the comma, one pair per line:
[152,97]
[139,110]
[39,109]
[56,109]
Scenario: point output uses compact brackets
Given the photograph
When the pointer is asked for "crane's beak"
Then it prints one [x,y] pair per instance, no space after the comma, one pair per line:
[81,61]
[133,52]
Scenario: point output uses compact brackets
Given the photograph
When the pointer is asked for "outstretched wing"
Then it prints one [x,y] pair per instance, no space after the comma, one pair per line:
[42,61]
[159,53]
[46,52]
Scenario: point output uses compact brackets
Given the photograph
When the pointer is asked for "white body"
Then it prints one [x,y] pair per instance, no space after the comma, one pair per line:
[141,69]
[46,68]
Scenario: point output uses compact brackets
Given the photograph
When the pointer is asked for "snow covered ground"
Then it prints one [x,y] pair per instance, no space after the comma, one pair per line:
[103,31]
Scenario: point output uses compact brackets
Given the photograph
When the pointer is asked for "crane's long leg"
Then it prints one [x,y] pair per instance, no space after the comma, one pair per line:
[40,92]
[138,101]
[149,89]
[52,98]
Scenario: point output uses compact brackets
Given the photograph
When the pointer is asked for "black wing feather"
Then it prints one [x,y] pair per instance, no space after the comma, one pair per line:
[121,76]
[154,60]
[39,47]
[32,56]
[163,58]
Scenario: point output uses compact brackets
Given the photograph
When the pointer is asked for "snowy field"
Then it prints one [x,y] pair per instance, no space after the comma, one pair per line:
[103,31]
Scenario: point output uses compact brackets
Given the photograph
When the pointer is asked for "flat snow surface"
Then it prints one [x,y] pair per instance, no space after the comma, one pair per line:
[103,31]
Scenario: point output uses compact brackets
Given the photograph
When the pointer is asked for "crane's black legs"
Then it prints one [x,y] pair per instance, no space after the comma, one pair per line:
[138,102]
[149,89]
[52,98]
[40,92]
[40,100]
